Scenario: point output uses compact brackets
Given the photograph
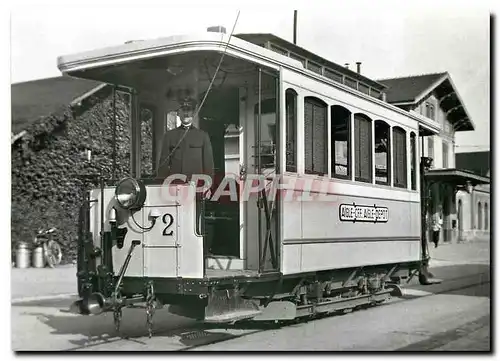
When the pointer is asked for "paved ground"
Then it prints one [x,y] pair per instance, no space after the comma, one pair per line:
[451,316]
[461,253]
[39,282]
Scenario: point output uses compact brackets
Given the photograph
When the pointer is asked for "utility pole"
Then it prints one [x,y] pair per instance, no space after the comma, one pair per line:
[295,27]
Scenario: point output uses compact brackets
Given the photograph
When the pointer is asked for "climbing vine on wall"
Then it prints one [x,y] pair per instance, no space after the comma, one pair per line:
[48,162]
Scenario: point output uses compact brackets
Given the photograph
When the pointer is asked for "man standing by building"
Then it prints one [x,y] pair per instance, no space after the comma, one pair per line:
[437,223]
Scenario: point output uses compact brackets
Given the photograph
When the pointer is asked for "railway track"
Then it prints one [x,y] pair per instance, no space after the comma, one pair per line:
[201,334]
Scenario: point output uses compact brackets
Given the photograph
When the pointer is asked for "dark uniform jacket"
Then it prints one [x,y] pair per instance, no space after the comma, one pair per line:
[192,156]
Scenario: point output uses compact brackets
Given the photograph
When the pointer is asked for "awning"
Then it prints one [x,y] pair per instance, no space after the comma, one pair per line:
[457,177]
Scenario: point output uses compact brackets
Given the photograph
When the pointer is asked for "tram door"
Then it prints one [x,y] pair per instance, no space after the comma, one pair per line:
[262,207]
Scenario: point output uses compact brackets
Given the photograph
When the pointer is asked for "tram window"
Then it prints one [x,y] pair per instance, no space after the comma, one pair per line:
[146,116]
[341,145]
[399,156]
[267,139]
[363,88]
[291,131]
[363,148]
[413,150]
[314,67]
[299,58]
[374,93]
[333,75]
[315,148]
[172,120]
[351,83]
[382,162]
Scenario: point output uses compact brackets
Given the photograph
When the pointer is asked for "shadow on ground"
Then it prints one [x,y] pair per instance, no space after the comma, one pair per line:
[465,280]
[96,330]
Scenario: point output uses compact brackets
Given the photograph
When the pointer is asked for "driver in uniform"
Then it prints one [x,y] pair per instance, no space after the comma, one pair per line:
[187,150]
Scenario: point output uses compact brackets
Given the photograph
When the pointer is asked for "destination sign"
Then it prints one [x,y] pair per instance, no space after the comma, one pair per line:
[358,213]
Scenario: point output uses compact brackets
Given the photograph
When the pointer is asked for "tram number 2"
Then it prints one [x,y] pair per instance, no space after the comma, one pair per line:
[168,220]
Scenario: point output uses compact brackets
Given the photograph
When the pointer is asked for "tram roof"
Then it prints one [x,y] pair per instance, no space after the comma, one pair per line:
[284,47]
[242,45]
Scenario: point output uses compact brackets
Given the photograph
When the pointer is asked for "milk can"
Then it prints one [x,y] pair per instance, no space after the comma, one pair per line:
[22,255]
[38,260]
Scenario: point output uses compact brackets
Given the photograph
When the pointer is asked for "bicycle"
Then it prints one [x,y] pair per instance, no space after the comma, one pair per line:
[52,250]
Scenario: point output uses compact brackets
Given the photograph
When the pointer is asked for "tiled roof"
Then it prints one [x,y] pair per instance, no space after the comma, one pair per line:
[38,98]
[407,89]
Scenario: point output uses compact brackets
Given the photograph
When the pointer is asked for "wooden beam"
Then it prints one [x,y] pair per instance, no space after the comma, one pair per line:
[453,109]
[440,100]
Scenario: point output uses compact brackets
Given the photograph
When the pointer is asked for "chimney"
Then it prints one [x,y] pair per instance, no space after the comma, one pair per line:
[358,64]
[346,65]
[216,29]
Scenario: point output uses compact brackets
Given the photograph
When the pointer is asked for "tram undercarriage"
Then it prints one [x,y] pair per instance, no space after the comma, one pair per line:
[232,296]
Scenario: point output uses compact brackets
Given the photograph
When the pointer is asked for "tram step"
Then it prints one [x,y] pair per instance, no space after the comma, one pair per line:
[223,262]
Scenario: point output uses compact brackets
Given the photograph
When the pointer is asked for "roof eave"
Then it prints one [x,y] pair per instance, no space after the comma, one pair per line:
[459,173]
[471,125]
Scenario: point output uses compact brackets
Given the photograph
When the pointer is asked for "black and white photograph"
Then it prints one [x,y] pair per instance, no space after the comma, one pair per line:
[242,177]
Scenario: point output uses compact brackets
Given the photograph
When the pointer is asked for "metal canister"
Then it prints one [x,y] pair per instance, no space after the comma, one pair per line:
[38,259]
[23,255]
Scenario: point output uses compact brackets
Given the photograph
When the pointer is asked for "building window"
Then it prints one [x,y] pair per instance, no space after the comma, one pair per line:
[399,156]
[413,154]
[382,153]
[341,142]
[486,217]
[363,148]
[430,147]
[291,131]
[431,112]
[315,147]
[445,155]
[479,216]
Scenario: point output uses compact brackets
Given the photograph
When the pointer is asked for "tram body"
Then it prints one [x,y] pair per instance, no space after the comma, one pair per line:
[324,244]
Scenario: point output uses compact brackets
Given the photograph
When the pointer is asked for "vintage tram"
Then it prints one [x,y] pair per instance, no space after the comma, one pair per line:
[342,229]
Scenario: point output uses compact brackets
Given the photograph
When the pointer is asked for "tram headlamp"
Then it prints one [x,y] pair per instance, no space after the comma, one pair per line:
[130,194]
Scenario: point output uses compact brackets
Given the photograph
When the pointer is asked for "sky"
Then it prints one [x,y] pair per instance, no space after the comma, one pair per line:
[389,39]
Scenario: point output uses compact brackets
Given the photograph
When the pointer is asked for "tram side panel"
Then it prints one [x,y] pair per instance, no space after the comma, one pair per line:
[343,233]
[170,248]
